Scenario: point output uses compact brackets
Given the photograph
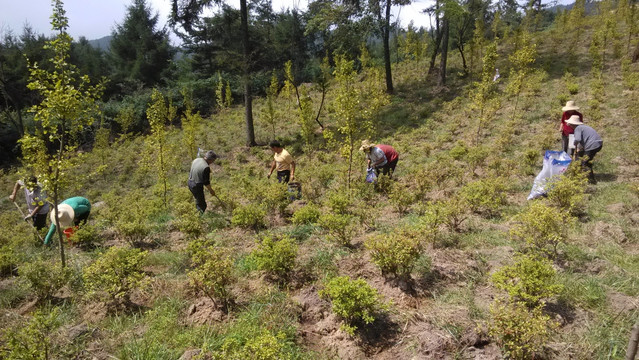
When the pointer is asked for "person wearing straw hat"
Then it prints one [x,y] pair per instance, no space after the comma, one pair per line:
[569,110]
[71,211]
[200,178]
[587,143]
[382,158]
[36,201]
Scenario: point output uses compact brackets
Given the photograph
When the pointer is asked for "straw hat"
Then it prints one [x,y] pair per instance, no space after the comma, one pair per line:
[65,215]
[574,120]
[366,145]
[570,105]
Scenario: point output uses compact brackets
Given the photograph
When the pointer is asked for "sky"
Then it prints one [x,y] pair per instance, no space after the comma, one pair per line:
[94,19]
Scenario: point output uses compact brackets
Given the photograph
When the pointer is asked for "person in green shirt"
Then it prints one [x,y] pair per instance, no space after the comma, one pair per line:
[71,211]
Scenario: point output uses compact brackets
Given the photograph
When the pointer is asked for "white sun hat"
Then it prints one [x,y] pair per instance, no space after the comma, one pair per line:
[570,105]
[574,120]
[65,215]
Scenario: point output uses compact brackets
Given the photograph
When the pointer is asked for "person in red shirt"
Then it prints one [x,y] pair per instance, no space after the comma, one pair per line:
[569,110]
[382,158]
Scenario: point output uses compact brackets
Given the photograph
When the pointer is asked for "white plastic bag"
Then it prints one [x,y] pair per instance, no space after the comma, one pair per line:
[371,177]
[555,163]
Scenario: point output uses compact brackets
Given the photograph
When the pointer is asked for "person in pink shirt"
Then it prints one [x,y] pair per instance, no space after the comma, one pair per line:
[382,158]
[569,110]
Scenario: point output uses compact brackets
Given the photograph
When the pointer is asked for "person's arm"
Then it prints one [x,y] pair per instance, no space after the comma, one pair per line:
[35,211]
[210,189]
[272,168]
[49,234]
[16,187]
[292,171]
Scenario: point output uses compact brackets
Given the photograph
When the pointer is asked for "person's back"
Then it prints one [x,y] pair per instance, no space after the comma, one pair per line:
[587,137]
[198,171]
[390,152]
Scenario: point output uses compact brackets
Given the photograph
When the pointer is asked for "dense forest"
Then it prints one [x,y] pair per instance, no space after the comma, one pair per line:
[445,259]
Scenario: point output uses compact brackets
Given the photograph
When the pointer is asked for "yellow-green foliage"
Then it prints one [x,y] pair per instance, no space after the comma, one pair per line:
[101,145]
[12,241]
[212,272]
[412,46]
[394,253]
[567,191]
[309,214]
[44,277]
[86,235]
[485,196]
[125,118]
[484,102]
[353,300]
[270,113]
[570,84]
[530,279]
[115,274]
[451,212]
[401,197]
[32,340]
[159,113]
[131,221]
[249,216]
[340,227]
[265,346]
[521,60]
[219,92]
[541,227]
[188,219]
[339,201]
[520,332]
[630,77]
[276,257]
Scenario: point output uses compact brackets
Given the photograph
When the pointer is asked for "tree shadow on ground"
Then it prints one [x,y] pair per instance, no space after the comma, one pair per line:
[563,309]
[379,335]
[606,177]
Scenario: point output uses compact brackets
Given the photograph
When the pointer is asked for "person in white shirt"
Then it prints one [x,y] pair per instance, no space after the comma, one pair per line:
[36,201]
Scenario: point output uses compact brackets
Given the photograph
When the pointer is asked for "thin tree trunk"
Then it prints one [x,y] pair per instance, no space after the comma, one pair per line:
[438,40]
[387,60]
[461,52]
[248,99]
[56,191]
[635,56]
[444,58]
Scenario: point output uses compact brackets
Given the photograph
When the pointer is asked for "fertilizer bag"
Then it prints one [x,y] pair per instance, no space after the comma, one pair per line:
[371,177]
[555,163]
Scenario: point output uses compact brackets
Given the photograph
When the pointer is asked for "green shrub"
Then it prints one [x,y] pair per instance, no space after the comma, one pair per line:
[86,236]
[530,161]
[32,340]
[309,214]
[459,150]
[339,201]
[567,191]
[115,274]
[530,279]
[340,227]
[401,197]
[451,212]
[541,227]
[212,273]
[131,222]
[188,219]
[275,197]
[394,253]
[276,257]
[571,86]
[249,216]
[262,347]
[45,277]
[520,332]
[353,301]
[485,196]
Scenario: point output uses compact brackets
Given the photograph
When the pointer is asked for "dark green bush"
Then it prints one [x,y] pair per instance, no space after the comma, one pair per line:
[45,277]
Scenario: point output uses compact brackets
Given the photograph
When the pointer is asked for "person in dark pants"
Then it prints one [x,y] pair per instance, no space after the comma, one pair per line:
[283,162]
[587,143]
[383,158]
[36,201]
[569,110]
[200,177]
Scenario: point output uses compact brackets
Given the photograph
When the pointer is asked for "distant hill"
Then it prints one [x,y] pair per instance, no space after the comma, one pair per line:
[102,43]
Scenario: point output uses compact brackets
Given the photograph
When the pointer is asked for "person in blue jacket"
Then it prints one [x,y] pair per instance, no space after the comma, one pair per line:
[71,211]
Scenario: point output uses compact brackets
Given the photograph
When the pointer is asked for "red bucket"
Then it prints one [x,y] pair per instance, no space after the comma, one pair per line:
[68,232]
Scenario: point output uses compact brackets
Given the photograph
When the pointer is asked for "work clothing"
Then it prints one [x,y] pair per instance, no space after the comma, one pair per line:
[283,161]
[81,210]
[36,197]
[284,176]
[199,176]
[587,137]
[390,156]
[566,130]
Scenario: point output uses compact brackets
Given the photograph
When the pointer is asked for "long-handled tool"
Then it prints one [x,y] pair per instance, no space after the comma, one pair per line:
[23,216]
